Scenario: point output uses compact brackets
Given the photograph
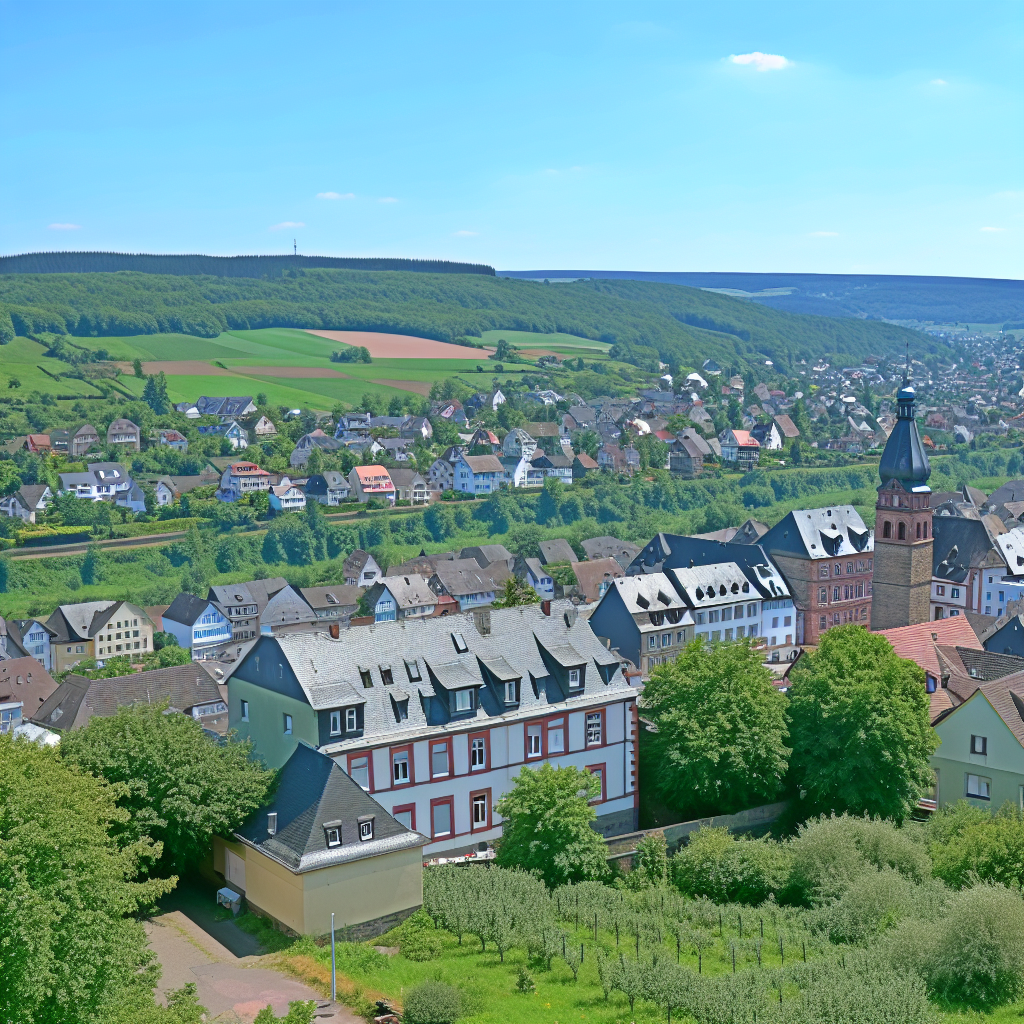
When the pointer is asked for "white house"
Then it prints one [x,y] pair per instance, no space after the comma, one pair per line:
[102,481]
[25,503]
[198,625]
[435,717]
[286,497]
[519,443]
[401,597]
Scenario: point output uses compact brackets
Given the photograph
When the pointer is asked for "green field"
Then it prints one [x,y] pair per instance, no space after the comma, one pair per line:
[26,360]
[569,343]
[275,347]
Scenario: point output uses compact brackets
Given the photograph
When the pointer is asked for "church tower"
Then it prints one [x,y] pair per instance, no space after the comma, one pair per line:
[903,524]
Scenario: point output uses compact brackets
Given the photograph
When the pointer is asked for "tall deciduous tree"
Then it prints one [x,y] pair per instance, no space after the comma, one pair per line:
[180,787]
[720,743]
[67,890]
[860,727]
[547,827]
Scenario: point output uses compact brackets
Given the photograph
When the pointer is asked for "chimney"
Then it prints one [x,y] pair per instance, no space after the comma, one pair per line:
[272,823]
[335,631]
[545,607]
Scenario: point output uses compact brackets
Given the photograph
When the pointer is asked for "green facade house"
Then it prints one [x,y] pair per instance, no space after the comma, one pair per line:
[981,756]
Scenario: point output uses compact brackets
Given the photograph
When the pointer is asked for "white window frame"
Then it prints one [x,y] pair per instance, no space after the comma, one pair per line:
[351,720]
[575,678]
[335,723]
[478,754]
[288,725]
[245,711]
[594,719]
[982,786]
[534,742]
[464,700]
[400,767]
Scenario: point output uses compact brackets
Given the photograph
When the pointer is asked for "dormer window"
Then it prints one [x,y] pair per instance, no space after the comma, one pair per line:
[350,719]
[385,675]
[413,670]
[575,678]
[460,643]
[367,679]
[365,828]
[332,833]
[464,700]
[512,691]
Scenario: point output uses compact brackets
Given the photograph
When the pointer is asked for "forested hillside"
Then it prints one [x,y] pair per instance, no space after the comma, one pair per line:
[218,266]
[645,321]
[894,297]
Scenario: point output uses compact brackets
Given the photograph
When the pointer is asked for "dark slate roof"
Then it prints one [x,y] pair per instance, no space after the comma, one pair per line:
[354,563]
[552,551]
[1008,638]
[623,551]
[338,596]
[835,532]
[186,608]
[1012,490]
[958,544]
[78,698]
[488,554]
[466,576]
[904,458]
[286,608]
[312,792]
[328,670]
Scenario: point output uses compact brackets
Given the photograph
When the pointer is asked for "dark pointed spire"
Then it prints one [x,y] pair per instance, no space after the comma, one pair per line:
[904,457]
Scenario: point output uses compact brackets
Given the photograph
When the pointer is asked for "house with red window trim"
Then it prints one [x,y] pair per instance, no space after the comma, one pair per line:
[435,717]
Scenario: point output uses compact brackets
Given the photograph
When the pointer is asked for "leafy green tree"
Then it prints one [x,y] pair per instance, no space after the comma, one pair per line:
[439,519]
[969,843]
[860,727]
[68,891]
[10,479]
[586,441]
[516,593]
[547,825]
[179,787]
[261,399]
[151,396]
[721,733]
[13,383]
[524,539]
[91,568]
[137,368]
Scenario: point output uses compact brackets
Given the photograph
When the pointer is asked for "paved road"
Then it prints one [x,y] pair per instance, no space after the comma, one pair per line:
[233,989]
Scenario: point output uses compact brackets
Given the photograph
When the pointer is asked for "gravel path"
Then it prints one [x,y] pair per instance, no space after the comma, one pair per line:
[233,989]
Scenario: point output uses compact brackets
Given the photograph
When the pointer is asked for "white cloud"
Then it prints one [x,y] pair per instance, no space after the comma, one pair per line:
[993,229]
[287,224]
[335,195]
[387,199]
[823,234]
[761,61]
[939,81]
[65,227]
[465,234]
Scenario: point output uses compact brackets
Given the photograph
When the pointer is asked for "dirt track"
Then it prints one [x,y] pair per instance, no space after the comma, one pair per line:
[403,346]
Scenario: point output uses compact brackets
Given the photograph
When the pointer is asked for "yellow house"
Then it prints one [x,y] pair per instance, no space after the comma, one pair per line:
[324,845]
[100,630]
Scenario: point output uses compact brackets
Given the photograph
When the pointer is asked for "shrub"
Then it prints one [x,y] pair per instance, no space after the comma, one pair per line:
[873,903]
[418,939]
[829,852]
[969,843]
[432,1002]
[978,953]
[724,868]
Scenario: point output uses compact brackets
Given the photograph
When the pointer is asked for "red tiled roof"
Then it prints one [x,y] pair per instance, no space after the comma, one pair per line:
[744,438]
[374,478]
[917,643]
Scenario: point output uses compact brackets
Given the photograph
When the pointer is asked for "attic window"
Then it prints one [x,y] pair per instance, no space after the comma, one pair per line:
[364,675]
[663,597]
[642,601]
[745,588]
[385,675]
[700,594]
[365,828]
[331,599]
[413,669]
[460,643]
[332,833]
[735,588]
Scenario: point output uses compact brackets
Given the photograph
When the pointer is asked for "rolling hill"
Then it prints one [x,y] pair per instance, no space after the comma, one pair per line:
[644,321]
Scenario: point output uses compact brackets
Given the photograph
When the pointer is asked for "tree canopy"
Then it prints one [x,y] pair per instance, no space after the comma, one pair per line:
[179,786]
[859,726]
[547,826]
[720,739]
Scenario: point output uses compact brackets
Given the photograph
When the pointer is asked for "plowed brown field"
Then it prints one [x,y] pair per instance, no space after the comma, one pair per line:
[403,346]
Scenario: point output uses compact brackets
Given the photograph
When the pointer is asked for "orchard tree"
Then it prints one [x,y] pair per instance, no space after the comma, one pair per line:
[179,787]
[547,827]
[860,726]
[720,739]
[516,593]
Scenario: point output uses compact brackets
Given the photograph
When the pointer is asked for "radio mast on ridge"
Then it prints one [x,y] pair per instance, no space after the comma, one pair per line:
[295,247]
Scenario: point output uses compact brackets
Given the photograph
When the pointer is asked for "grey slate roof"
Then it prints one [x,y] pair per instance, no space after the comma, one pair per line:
[79,698]
[311,792]
[328,670]
[623,551]
[286,608]
[488,554]
[75,621]
[834,532]
[186,608]
[339,596]
[465,576]
[410,591]
[958,544]
[556,551]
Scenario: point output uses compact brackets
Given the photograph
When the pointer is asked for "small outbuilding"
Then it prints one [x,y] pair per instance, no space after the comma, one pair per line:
[324,845]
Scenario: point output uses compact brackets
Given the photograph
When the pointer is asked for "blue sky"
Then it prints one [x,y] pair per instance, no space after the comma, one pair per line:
[874,138]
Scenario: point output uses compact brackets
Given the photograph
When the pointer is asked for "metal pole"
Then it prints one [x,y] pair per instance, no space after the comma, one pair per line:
[334,975]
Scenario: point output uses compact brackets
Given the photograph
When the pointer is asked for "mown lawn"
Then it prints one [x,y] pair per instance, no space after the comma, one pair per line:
[25,360]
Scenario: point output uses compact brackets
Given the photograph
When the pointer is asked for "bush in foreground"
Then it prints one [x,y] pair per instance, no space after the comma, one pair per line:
[432,1002]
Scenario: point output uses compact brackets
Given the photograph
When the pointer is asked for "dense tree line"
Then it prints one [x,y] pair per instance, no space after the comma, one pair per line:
[645,321]
[217,266]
